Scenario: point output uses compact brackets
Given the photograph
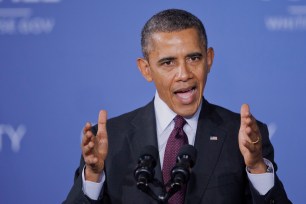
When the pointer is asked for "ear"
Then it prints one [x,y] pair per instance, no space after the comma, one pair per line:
[144,68]
[210,57]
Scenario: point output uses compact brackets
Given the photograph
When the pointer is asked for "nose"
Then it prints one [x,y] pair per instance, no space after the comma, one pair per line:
[184,72]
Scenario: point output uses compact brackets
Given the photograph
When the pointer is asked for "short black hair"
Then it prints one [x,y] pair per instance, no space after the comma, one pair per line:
[171,20]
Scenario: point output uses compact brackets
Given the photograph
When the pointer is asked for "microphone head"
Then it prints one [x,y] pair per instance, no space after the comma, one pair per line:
[190,151]
[149,150]
[144,171]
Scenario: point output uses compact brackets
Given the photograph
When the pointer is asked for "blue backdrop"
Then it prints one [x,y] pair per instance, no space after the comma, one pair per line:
[63,61]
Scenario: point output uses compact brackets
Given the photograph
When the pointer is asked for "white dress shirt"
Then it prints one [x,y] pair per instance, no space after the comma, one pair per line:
[165,124]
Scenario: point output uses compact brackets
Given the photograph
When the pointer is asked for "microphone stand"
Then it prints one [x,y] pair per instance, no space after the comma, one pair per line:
[166,195]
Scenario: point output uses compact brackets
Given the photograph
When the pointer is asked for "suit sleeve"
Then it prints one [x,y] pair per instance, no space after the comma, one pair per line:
[277,193]
[76,194]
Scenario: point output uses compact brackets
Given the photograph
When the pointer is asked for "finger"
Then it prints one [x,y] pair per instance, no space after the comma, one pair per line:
[248,120]
[87,134]
[88,144]
[87,127]
[88,149]
[251,147]
[247,134]
[87,137]
[252,135]
[91,160]
[254,126]
[102,133]
[252,130]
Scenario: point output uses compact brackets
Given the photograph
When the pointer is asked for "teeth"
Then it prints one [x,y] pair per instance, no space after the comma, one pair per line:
[186,91]
[185,95]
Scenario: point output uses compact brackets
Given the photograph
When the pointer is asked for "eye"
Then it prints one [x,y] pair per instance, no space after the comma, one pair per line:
[167,63]
[194,58]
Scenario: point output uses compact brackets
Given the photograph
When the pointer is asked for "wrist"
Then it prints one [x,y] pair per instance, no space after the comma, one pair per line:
[91,175]
[258,168]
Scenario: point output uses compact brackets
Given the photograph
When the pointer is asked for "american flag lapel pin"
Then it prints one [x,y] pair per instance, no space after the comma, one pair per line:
[215,138]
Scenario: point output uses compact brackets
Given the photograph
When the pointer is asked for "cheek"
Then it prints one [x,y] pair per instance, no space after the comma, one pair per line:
[200,73]
[166,80]
[163,84]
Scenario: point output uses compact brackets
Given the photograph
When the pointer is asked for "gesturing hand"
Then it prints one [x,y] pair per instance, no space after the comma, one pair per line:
[95,148]
[250,142]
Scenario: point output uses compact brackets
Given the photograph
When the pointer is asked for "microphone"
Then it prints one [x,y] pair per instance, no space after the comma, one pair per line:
[181,171]
[144,172]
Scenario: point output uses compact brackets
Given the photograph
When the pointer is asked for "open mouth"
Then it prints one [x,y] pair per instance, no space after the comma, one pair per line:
[186,95]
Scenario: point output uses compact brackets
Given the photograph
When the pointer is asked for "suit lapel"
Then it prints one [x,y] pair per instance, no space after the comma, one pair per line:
[144,133]
[208,142]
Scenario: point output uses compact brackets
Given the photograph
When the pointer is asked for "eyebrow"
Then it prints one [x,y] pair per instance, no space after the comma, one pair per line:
[195,54]
[165,59]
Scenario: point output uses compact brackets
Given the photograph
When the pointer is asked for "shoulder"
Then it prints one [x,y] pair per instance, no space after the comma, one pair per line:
[124,122]
[228,116]
[128,117]
[220,114]
[224,112]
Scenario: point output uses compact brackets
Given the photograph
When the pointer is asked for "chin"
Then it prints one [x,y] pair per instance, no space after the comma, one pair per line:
[186,111]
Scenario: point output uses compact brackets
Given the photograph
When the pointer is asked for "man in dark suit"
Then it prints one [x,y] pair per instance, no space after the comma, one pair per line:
[235,162]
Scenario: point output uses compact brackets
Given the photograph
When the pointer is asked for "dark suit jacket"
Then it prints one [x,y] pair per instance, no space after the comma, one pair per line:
[219,175]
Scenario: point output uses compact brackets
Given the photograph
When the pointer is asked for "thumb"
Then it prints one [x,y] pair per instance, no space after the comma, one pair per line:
[244,112]
[102,133]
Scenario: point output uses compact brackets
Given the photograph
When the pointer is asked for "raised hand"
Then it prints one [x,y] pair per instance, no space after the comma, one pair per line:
[250,142]
[95,148]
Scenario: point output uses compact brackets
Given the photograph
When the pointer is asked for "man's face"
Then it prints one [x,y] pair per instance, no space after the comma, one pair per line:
[178,64]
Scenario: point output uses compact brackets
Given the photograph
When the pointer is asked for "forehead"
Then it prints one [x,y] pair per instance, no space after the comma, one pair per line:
[175,41]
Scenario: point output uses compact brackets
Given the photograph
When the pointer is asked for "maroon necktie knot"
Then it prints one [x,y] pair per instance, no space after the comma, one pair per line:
[179,122]
[178,127]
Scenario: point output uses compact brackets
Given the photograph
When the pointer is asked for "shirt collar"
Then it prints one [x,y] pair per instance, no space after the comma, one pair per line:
[164,115]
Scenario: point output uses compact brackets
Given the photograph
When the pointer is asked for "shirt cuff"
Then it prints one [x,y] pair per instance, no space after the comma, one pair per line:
[262,182]
[92,189]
